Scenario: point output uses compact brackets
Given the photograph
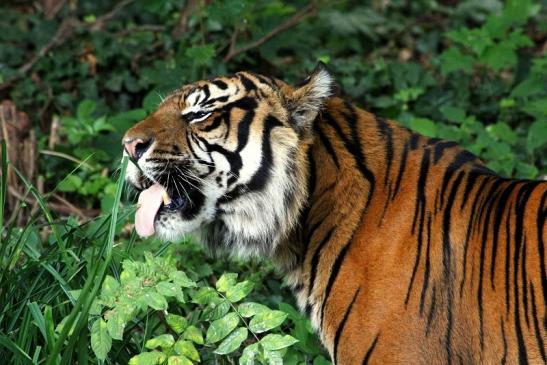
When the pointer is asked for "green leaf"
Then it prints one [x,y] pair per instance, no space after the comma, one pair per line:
[115,325]
[154,300]
[226,281]
[423,126]
[85,109]
[249,309]
[273,342]
[110,287]
[180,278]
[502,131]
[221,327]
[187,349]
[249,354]
[193,334]
[219,310]
[239,291]
[452,60]
[273,357]
[176,323]
[151,101]
[537,135]
[205,295]
[179,360]
[168,289]
[262,322]
[148,358]
[101,342]
[70,183]
[164,341]
[452,113]
[232,342]
[201,55]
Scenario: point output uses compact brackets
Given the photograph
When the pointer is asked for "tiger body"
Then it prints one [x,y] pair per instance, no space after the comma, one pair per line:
[402,249]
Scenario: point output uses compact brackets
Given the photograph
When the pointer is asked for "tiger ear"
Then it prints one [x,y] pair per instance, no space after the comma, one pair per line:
[305,101]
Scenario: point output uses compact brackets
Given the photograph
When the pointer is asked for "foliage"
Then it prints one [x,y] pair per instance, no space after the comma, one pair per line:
[470,71]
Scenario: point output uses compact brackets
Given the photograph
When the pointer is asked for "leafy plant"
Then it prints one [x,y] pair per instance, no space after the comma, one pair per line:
[188,322]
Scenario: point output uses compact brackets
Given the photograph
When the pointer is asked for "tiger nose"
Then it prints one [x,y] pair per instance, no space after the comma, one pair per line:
[136,147]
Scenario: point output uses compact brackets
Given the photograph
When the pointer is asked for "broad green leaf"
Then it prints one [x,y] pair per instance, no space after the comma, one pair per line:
[115,325]
[180,278]
[186,348]
[262,322]
[452,60]
[101,342]
[221,327]
[273,357]
[239,291]
[249,354]
[226,281]
[273,342]
[110,287]
[201,55]
[176,323]
[220,309]
[168,289]
[85,109]
[179,360]
[232,342]
[164,341]
[193,334]
[452,113]
[249,309]
[148,358]
[205,295]
[154,300]
[424,126]
[537,135]
[502,131]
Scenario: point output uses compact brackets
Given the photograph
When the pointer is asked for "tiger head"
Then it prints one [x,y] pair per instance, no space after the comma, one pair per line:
[229,156]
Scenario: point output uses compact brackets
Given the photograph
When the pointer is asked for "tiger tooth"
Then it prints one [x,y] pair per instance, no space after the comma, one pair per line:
[165,197]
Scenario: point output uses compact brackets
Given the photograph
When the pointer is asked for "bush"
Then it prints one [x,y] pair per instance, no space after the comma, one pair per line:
[470,71]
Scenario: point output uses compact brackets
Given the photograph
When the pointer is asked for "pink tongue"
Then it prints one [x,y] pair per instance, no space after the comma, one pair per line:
[149,203]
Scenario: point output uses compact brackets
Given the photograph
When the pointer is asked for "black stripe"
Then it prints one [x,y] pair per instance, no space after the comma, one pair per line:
[402,165]
[328,146]
[353,147]
[447,265]
[537,330]
[427,268]
[332,278]
[440,147]
[419,213]
[370,350]
[214,125]
[246,82]
[432,309]
[460,159]
[541,219]
[220,99]
[522,200]
[387,134]
[220,84]
[340,328]
[315,262]
[500,210]
[485,207]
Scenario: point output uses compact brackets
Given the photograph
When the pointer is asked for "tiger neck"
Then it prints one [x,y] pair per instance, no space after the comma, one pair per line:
[340,185]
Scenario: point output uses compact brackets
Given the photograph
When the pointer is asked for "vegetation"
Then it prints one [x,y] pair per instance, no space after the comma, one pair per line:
[78,286]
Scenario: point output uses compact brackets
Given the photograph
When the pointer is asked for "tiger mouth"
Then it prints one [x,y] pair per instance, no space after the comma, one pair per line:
[155,201]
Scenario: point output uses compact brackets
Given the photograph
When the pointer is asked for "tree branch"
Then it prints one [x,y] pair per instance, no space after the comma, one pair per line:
[306,12]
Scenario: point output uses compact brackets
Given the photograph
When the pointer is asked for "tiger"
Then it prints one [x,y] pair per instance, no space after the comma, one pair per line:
[400,248]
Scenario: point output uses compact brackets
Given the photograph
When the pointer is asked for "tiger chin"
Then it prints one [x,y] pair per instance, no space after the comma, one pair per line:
[401,249]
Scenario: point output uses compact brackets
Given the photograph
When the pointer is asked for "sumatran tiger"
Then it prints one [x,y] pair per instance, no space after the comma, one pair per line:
[401,249]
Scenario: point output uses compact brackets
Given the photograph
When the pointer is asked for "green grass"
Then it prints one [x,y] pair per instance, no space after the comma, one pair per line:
[38,278]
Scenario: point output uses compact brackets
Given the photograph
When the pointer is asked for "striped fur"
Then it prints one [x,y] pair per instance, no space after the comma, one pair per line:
[402,249]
